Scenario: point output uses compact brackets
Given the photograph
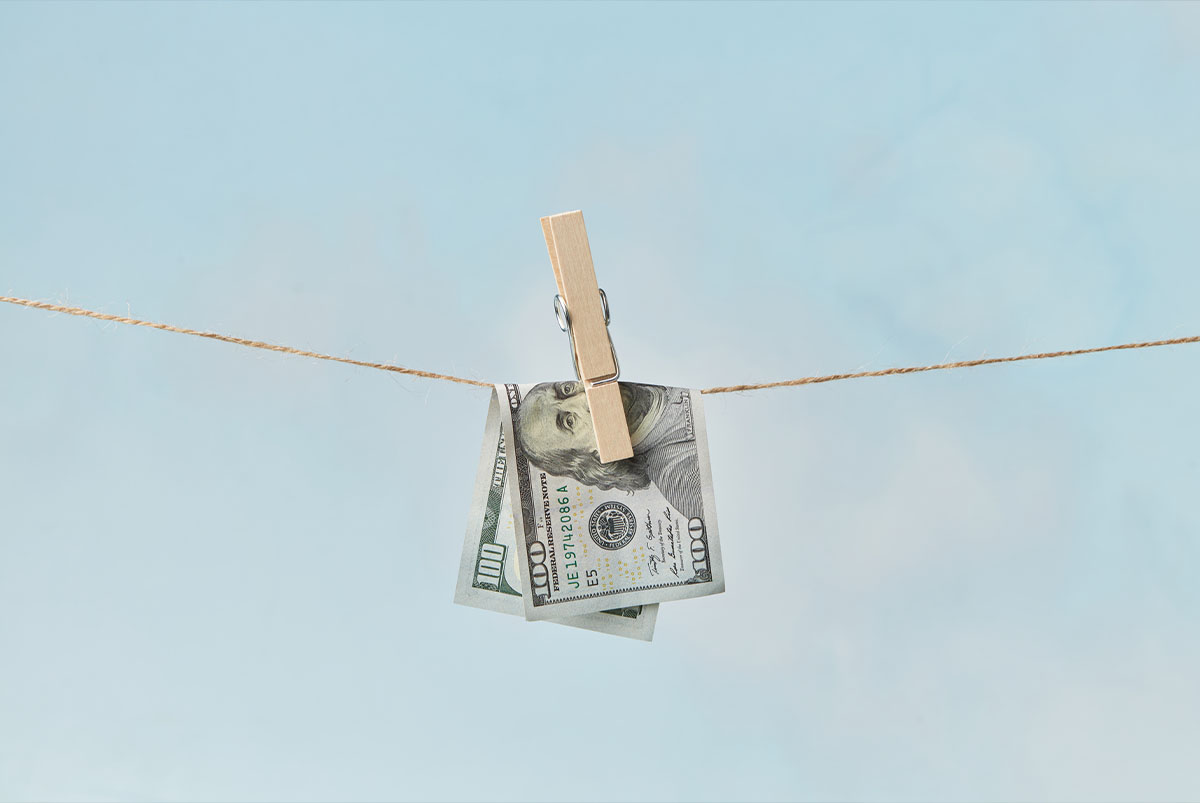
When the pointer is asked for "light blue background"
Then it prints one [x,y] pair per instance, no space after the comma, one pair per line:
[227,574]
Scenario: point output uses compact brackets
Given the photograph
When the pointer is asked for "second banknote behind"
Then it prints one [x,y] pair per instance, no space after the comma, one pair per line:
[593,536]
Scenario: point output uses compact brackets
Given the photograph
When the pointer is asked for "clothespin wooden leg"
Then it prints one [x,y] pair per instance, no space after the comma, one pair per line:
[595,358]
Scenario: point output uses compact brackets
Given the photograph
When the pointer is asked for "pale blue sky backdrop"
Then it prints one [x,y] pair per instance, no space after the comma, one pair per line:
[227,575]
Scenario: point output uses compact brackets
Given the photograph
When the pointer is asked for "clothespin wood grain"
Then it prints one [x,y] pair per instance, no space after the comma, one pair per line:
[595,360]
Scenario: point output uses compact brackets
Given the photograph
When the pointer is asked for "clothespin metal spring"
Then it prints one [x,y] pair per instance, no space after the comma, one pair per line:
[564,323]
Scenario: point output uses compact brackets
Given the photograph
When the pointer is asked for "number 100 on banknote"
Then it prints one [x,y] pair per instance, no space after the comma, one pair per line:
[595,536]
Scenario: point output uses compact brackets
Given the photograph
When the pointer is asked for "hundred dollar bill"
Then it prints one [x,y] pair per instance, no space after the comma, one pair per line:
[489,576]
[594,535]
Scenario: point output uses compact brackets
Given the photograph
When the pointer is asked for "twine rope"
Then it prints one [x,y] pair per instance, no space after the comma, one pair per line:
[399,369]
[916,369]
[240,341]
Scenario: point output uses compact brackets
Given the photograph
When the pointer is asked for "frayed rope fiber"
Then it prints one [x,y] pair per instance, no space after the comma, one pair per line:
[399,369]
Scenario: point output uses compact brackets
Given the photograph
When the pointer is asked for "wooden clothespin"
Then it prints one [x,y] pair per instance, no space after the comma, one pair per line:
[582,311]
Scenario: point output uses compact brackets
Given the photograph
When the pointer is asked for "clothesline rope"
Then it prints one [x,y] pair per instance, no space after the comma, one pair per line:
[399,369]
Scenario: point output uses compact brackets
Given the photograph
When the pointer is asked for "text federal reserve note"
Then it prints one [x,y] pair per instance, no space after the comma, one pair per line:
[592,535]
[489,576]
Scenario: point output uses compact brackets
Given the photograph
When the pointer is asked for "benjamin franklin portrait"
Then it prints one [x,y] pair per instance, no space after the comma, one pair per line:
[554,429]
